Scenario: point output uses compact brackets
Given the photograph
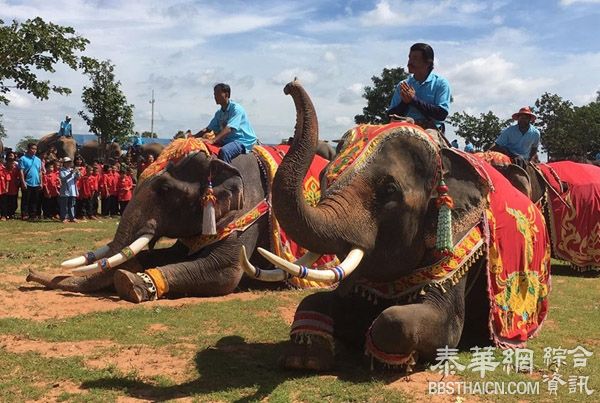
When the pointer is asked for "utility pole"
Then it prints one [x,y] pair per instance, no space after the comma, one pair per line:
[152,118]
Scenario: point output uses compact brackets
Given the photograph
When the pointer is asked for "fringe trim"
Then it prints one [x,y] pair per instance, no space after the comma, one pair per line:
[390,361]
[309,337]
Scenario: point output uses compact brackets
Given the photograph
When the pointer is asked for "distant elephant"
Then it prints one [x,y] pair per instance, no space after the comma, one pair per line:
[1,148]
[564,190]
[89,151]
[420,273]
[168,203]
[153,149]
[324,150]
[65,146]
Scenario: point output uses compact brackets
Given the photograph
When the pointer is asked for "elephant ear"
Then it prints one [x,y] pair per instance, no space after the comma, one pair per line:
[465,185]
[228,186]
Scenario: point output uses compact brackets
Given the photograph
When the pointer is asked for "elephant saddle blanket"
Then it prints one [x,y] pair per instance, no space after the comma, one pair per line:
[518,264]
[269,158]
[574,212]
[513,230]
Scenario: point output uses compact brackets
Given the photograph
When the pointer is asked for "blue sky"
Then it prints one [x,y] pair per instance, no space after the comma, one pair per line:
[497,55]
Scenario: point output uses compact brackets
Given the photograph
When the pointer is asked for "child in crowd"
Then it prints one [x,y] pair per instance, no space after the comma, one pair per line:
[103,183]
[3,191]
[14,184]
[51,190]
[68,190]
[96,173]
[87,186]
[125,189]
[113,191]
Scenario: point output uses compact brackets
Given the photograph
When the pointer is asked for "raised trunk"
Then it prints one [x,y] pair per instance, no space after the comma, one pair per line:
[322,228]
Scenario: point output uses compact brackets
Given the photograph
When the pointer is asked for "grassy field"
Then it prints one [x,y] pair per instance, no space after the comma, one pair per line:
[59,346]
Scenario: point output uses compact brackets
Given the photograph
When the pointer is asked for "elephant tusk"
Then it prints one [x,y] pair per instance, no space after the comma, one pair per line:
[333,275]
[88,258]
[276,274]
[124,255]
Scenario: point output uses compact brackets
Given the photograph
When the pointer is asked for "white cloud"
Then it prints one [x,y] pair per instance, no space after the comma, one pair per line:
[571,2]
[19,100]
[305,76]
[351,95]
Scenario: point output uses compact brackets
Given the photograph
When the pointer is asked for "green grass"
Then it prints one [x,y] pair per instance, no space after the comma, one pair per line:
[232,346]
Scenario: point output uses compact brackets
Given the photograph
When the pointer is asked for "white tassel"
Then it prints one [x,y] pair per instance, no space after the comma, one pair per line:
[209,222]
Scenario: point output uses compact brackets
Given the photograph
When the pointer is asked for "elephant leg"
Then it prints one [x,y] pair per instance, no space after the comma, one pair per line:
[87,284]
[401,334]
[214,271]
[319,318]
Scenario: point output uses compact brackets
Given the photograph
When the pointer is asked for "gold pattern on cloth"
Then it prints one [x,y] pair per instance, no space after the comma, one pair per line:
[173,153]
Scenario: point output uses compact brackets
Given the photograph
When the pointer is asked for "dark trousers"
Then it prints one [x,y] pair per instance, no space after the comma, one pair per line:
[123,205]
[11,205]
[113,205]
[50,206]
[3,205]
[95,203]
[86,207]
[104,206]
[30,200]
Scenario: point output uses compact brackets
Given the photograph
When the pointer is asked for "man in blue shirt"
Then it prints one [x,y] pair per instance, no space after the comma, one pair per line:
[520,141]
[30,168]
[469,147]
[424,96]
[233,132]
[65,127]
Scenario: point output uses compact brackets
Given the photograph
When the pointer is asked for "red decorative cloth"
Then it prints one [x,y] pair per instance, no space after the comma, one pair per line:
[575,216]
[518,263]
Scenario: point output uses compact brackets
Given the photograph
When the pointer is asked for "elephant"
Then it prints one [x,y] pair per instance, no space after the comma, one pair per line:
[153,149]
[324,150]
[89,151]
[168,202]
[398,206]
[65,146]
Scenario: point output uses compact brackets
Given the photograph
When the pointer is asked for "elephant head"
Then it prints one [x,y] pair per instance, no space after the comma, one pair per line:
[383,204]
[168,203]
[65,146]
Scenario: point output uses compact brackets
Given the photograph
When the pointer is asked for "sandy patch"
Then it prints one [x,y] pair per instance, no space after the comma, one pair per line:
[146,362]
[38,303]
[416,386]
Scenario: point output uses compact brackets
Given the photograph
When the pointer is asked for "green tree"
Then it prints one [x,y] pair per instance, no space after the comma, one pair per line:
[555,118]
[481,131]
[109,115]
[32,47]
[150,135]
[598,96]
[379,96]
[22,144]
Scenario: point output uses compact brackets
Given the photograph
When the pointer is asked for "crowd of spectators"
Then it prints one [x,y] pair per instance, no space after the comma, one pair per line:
[64,190]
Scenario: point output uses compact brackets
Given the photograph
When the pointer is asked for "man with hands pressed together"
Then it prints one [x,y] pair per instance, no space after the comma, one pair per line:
[424,96]
[233,132]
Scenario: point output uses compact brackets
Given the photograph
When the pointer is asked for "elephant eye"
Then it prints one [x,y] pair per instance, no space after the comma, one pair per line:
[388,189]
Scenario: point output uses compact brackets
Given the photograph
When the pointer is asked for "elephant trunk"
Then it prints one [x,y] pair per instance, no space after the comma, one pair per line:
[324,228]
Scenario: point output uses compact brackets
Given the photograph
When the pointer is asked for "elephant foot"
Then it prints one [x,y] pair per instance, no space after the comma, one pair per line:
[131,287]
[315,356]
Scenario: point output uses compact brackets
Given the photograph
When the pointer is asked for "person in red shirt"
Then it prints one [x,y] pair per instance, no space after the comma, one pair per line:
[87,186]
[113,192]
[144,164]
[14,184]
[125,189]
[51,190]
[96,173]
[3,192]
[103,183]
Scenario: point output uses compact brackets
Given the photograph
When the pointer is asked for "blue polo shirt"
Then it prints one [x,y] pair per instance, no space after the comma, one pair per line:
[65,129]
[435,90]
[31,167]
[235,117]
[519,143]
